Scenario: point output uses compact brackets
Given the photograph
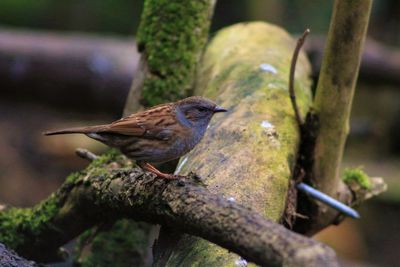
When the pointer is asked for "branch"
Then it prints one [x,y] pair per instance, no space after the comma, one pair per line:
[103,193]
[333,100]
[171,47]
[85,154]
[336,88]
[296,52]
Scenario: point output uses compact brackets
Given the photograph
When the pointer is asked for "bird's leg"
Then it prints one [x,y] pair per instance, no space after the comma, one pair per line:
[148,167]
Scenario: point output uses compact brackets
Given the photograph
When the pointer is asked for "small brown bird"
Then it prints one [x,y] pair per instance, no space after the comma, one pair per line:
[159,134]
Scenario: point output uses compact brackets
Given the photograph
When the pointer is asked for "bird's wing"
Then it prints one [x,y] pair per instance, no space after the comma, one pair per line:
[153,123]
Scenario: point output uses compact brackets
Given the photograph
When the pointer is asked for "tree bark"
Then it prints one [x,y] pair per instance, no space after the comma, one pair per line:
[9,258]
[248,154]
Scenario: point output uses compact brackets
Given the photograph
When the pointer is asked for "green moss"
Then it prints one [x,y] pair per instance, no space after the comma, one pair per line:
[22,226]
[97,166]
[73,177]
[172,35]
[16,223]
[357,175]
[8,225]
[110,156]
[202,254]
[124,244]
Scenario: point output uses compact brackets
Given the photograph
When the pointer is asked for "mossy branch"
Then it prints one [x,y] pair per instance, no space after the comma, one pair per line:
[110,189]
[336,86]
[332,106]
[171,38]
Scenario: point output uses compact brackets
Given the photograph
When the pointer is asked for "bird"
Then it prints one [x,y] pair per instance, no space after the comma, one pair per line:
[159,134]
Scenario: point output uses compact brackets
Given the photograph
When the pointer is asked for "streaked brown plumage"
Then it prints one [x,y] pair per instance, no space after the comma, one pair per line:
[159,134]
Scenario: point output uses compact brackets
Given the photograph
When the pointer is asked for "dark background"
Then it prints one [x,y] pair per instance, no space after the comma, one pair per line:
[32,166]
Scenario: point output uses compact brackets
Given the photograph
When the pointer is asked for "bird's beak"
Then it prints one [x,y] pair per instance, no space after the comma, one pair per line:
[220,109]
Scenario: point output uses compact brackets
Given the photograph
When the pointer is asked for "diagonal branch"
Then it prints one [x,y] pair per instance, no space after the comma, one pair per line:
[109,189]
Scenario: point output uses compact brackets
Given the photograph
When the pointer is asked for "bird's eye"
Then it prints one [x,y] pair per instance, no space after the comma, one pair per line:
[201,109]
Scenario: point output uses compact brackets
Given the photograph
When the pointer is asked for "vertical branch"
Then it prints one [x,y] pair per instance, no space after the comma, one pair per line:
[336,87]
[171,38]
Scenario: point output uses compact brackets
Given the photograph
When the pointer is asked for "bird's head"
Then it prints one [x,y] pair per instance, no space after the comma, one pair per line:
[198,110]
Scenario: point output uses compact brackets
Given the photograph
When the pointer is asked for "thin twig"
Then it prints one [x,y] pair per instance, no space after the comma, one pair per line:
[85,154]
[296,51]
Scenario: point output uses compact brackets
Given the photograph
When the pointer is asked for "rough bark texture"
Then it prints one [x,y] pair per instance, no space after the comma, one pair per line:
[9,258]
[247,154]
[110,189]
[333,101]
[171,38]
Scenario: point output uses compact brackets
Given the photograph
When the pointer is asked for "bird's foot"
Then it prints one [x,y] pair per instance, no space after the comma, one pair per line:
[168,176]
[148,167]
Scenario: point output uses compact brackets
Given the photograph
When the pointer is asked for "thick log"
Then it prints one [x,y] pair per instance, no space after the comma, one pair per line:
[248,154]
[110,189]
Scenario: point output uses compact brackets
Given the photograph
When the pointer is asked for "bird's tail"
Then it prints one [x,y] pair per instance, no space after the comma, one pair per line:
[80,130]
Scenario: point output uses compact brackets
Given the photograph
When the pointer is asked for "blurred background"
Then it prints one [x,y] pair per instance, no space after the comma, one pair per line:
[69,63]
